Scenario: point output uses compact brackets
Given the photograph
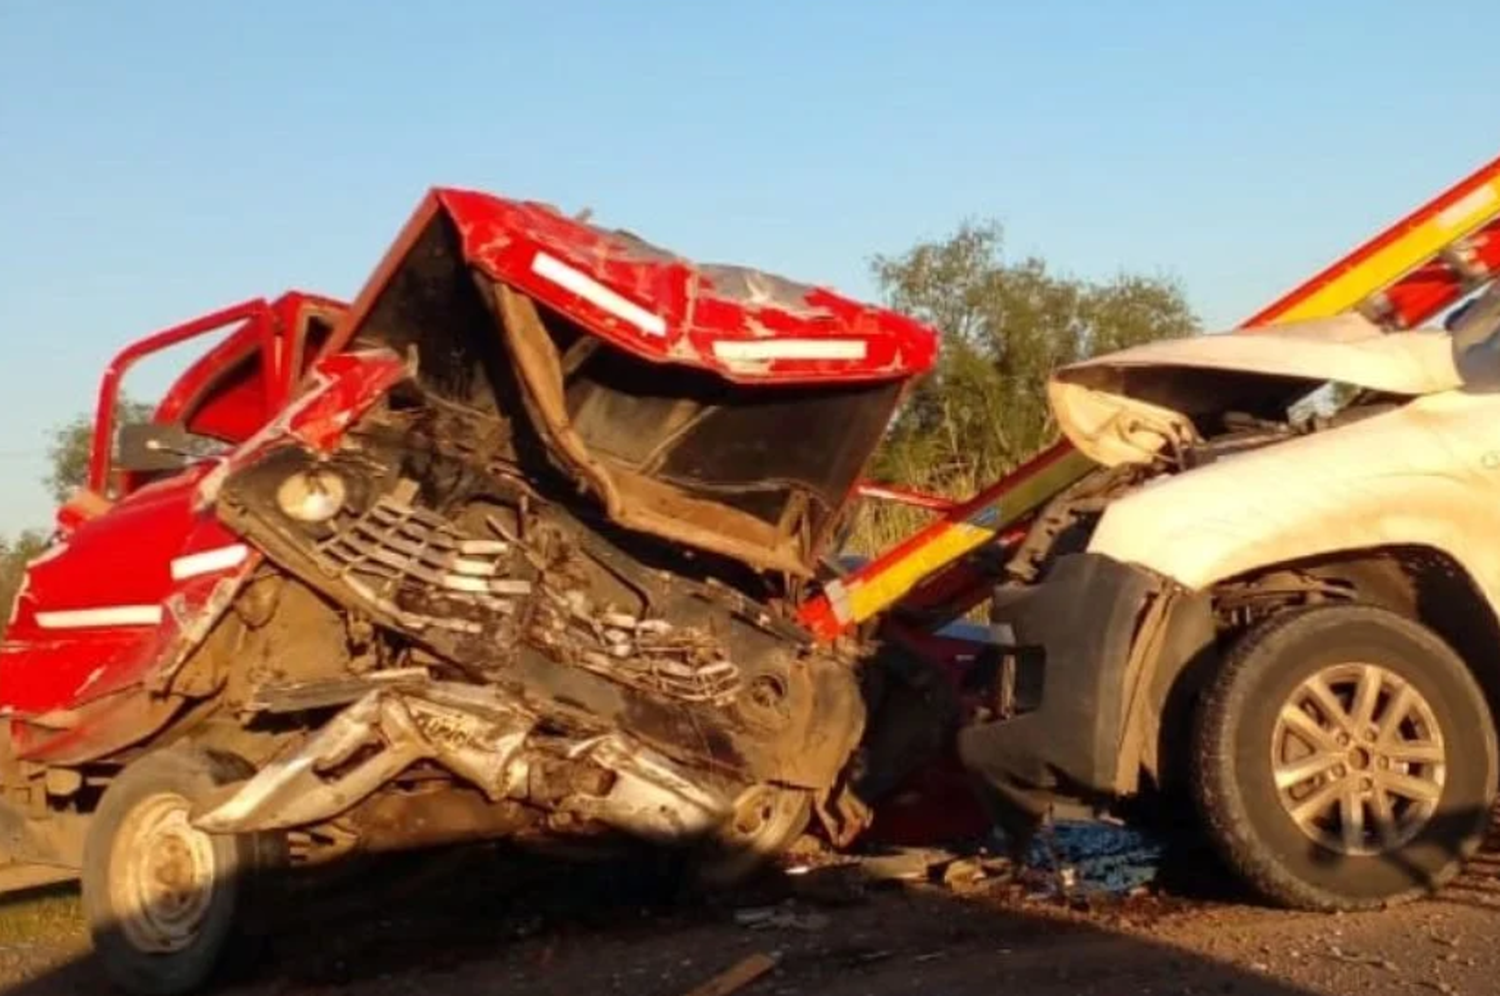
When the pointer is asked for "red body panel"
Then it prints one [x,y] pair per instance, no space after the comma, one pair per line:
[117,602]
[235,388]
[1435,286]
[135,580]
[745,326]
[100,609]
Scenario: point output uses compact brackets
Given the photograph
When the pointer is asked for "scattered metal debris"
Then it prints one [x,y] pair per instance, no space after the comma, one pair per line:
[485,736]
[1071,857]
[784,917]
[1097,857]
[736,977]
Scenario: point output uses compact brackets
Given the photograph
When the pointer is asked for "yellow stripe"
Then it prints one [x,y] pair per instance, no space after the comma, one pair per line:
[1036,491]
[877,592]
[1345,292]
[1400,257]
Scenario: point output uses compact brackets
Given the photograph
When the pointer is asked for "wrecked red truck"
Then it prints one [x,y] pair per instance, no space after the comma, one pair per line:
[509,548]
[537,541]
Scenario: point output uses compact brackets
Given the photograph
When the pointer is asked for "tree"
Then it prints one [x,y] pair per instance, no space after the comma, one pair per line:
[1006,326]
[68,454]
[73,441]
[13,557]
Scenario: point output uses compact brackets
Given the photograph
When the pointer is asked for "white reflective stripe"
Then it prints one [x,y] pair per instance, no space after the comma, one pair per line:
[112,615]
[593,291]
[791,349]
[1463,210]
[15,601]
[209,561]
[838,600]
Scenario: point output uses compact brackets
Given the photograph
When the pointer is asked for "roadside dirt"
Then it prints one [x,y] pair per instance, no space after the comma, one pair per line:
[457,925]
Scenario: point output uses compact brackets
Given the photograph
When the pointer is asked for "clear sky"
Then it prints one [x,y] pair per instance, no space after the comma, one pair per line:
[160,159]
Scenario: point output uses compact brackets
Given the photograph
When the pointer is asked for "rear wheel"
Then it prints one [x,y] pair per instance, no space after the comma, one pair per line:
[1344,758]
[164,900]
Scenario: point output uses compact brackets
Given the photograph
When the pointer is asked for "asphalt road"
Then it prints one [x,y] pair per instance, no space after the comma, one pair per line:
[468,925]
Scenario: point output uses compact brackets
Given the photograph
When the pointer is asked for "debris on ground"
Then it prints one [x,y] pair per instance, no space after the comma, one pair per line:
[1355,958]
[736,977]
[964,874]
[903,864]
[1097,857]
[829,886]
[1074,860]
[783,917]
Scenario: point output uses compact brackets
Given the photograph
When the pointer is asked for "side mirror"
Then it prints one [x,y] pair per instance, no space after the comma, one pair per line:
[146,447]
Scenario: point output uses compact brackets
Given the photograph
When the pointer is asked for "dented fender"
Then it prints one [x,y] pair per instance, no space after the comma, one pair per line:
[1426,474]
[1096,647]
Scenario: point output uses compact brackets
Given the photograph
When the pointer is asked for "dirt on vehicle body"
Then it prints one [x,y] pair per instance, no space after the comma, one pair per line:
[511,550]
[1279,606]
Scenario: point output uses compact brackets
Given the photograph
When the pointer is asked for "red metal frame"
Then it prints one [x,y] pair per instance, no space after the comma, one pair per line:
[1409,273]
[1417,296]
[904,496]
[931,565]
[256,311]
[283,364]
[269,331]
[659,307]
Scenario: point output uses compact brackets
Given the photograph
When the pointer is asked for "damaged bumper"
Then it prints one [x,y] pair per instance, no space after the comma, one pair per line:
[1081,642]
[485,738]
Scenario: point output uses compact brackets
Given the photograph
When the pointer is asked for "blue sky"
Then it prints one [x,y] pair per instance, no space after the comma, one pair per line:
[162,159]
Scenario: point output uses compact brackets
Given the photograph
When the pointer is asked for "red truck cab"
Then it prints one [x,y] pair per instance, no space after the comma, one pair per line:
[86,625]
[510,548]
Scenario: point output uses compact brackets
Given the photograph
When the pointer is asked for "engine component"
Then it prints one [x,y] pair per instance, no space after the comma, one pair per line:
[483,736]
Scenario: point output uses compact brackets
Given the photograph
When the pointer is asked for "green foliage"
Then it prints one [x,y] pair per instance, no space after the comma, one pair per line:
[68,454]
[73,441]
[14,553]
[1006,326]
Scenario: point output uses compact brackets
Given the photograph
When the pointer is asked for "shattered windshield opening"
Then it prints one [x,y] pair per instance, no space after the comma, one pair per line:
[780,454]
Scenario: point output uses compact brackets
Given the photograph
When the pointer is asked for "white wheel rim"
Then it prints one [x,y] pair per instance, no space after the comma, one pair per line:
[1359,759]
[161,875]
[762,816]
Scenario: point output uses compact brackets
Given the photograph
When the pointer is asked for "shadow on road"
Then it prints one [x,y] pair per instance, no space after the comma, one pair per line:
[484,921]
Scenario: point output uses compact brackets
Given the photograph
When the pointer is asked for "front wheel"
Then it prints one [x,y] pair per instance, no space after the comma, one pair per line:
[163,898]
[1344,758]
[767,819]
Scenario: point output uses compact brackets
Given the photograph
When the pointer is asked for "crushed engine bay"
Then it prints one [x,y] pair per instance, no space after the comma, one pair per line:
[571,572]
[519,639]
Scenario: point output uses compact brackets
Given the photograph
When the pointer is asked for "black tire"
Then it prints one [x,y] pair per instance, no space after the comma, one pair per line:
[1234,781]
[767,821]
[138,953]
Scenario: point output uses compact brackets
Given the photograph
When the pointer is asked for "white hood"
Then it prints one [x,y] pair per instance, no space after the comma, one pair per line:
[1125,406]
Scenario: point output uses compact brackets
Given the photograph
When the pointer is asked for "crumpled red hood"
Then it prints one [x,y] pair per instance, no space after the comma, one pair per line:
[743,324]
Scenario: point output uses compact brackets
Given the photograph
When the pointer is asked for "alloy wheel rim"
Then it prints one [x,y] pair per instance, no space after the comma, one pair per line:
[1358,758]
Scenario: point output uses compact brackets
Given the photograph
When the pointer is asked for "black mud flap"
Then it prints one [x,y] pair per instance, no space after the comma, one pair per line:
[1074,632]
